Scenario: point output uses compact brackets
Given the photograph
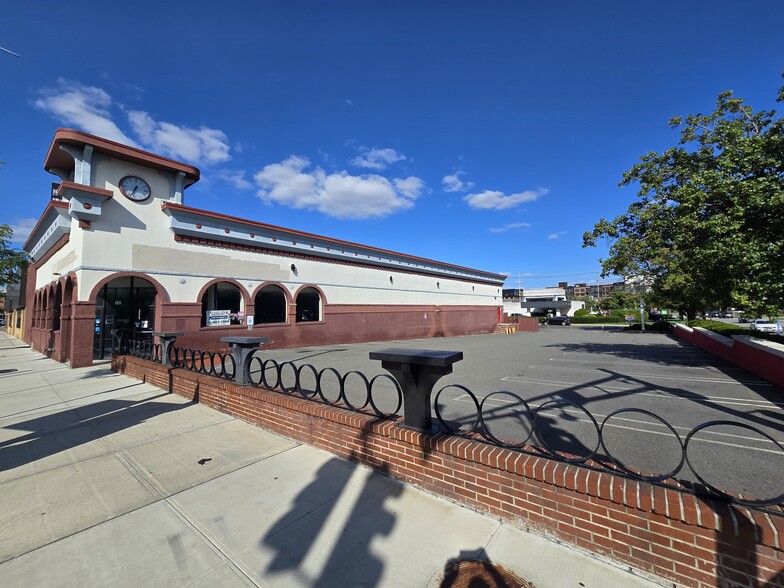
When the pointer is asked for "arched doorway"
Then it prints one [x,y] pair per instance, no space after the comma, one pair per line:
[270,305]
[308,305]
[124,310]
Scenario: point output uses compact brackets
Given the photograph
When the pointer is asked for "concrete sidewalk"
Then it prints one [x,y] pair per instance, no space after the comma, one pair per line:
[108,481]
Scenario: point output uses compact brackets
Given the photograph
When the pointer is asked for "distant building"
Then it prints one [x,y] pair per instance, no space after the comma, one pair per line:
[15,307]
[591,290]
[539,302]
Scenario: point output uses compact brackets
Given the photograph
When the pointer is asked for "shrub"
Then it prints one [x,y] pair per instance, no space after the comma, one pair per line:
[597,320]
[728,330]
[656,327]
[581,312]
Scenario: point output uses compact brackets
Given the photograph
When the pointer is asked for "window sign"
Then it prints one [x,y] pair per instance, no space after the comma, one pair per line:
[218,318]
[249,322]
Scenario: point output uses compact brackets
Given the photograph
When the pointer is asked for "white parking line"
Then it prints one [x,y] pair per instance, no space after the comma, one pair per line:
[750,403]
[681,430]
[726,381]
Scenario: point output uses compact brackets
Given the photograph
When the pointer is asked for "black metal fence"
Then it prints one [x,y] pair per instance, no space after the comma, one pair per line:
[352,390]
[559,429]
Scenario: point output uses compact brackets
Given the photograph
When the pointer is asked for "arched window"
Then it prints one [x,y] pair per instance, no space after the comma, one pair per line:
[270,305]
[220,305]
[308,305]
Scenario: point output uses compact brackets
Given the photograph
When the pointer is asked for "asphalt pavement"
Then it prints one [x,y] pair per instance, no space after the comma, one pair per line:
[582,374]
[109,481]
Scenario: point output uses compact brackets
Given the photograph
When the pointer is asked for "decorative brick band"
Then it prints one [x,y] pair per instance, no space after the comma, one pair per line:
[659,531]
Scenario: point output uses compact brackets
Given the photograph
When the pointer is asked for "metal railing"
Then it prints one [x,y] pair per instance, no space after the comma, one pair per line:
[534,430]
[142,348]
[352,390]
[539,433]
[220,365]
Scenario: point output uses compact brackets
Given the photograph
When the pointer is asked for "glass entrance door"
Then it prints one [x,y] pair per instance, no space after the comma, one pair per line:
[124,310]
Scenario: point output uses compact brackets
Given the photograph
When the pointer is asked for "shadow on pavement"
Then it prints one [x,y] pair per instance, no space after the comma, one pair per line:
[64,430]
[349,562]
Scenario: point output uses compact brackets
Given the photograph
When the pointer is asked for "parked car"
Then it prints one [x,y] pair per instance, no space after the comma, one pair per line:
[744,319]
[559,320]
[763,326]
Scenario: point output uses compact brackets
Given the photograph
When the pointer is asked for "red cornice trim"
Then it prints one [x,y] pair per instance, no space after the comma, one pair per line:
[64,185]
[56,158]
[301,234]
[54,249]
[297,255]
[52,205]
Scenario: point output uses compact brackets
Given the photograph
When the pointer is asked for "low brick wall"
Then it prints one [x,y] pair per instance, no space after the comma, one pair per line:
[658,531]
[759,356]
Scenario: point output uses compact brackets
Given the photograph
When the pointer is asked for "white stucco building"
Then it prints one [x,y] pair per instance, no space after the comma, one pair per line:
[118,253]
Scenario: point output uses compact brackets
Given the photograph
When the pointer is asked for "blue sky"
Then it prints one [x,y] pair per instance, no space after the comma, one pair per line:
[486,134]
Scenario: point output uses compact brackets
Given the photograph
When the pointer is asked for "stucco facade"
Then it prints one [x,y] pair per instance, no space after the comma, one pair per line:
[106,262]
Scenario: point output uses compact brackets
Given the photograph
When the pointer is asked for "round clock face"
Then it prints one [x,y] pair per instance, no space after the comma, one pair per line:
[135,188]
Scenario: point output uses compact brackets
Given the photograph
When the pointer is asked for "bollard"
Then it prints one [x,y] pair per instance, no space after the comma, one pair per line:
[242,348]
[417,371]
[167,340]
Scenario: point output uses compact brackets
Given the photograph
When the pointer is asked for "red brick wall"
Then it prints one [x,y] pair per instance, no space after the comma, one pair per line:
[765,363]
[342,324]
[655,530]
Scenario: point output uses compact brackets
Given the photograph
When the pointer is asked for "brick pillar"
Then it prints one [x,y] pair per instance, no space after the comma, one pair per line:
[250,310]
[48,334]
[178,317]
[36,331]
[82,330]
[29,302]
[64,340]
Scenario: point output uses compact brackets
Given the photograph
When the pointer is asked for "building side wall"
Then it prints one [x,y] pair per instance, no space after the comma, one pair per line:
[341,324]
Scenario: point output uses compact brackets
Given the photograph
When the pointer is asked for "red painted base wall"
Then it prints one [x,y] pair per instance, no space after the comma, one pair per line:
[659,531]
[760,358]
[342,324]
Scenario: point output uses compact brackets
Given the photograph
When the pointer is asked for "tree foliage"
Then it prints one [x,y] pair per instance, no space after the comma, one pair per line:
[707,230]
[12,261]
[619,299]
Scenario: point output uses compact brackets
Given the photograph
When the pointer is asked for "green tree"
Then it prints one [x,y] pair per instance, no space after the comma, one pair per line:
[12,261]
[619,299]
[707,230]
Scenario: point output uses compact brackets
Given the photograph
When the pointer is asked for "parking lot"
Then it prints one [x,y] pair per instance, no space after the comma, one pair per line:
[571,375]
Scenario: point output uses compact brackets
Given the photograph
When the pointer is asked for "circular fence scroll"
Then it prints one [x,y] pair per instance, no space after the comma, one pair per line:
[352,390]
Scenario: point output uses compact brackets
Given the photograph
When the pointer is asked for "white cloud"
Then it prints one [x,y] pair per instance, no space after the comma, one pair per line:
[85,107]
[410,187]
[235,178]
[340,194]
[453,183]
[22,229]
[510,227]
[494,200]
[556,235]
[203,145]
[376,158]
[90,108]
